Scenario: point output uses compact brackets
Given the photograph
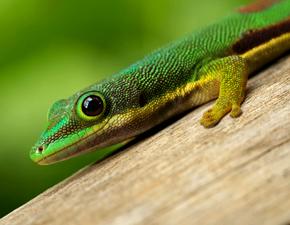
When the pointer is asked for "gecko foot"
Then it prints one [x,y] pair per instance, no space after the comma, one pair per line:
[212,117]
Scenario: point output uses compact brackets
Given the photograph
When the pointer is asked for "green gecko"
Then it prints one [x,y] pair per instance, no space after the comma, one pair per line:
[211,63]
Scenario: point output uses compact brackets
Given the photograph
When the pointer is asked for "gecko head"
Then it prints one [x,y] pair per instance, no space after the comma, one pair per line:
[71,123]
[86,121]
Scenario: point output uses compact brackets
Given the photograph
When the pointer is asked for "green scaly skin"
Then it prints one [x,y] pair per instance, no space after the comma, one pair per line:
[194,70]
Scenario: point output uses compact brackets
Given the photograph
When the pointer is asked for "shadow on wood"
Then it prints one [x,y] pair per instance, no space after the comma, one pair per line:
[235,173]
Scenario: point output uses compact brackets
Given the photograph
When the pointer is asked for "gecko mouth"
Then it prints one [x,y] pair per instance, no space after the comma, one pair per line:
[46,160]
[72,149]
[68,151]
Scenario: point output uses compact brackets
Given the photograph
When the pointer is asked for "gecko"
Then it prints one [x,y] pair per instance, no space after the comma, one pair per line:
[211,63]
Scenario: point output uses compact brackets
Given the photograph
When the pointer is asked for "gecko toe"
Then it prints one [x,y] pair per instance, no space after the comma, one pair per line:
[236,111]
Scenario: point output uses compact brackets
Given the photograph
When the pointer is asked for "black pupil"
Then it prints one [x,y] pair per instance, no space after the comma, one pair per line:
[92,105]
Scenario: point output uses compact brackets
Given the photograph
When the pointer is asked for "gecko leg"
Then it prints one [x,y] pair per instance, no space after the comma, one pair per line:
[232,74]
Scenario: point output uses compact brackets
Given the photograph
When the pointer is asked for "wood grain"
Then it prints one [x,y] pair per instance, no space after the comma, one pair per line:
[235,173]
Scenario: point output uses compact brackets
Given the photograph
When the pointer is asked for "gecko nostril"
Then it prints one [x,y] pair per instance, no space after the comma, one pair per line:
[40,149]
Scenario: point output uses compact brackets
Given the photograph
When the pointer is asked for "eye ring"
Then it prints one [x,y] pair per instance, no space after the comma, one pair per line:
[91,106]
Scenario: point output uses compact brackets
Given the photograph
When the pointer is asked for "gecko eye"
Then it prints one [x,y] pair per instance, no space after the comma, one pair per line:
[91,106]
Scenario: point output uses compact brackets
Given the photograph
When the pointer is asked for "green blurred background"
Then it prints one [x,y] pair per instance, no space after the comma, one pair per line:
[51,48]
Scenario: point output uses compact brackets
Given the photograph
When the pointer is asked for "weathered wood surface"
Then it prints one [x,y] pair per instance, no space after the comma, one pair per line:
[235,173]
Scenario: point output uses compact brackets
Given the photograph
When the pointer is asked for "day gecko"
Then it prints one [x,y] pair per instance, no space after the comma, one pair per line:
[211,63]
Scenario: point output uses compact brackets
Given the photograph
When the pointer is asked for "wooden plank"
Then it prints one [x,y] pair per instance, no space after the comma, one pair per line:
[235,173]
